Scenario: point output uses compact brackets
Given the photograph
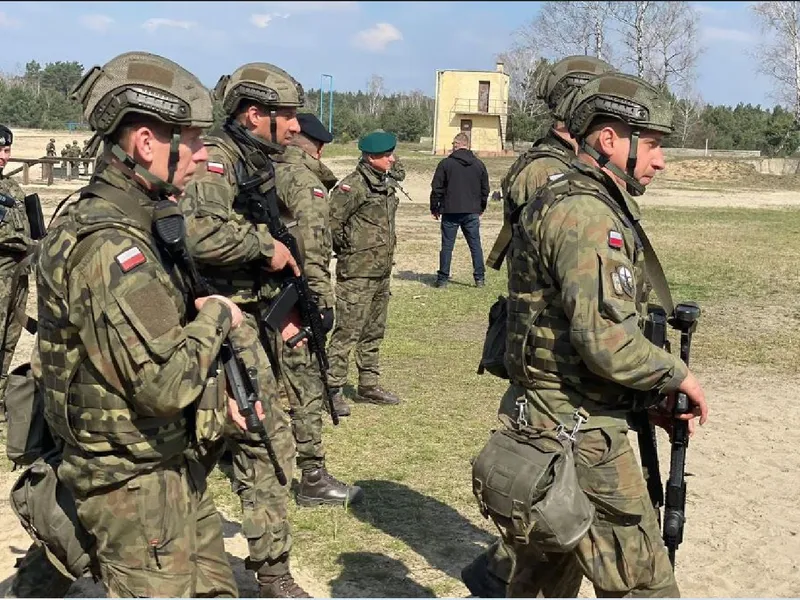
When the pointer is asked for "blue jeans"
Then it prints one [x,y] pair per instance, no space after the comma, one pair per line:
[470,224]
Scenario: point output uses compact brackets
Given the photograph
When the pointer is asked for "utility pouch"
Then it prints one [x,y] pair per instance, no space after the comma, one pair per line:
[529,487]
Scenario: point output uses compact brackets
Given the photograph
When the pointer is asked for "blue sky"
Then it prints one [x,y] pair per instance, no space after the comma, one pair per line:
[405,42]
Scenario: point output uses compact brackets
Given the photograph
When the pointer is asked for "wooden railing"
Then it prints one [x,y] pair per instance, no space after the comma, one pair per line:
[52,168]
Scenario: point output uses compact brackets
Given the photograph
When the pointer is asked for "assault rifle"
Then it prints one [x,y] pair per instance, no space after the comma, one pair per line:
[295,291]
[684,319]
[243,382]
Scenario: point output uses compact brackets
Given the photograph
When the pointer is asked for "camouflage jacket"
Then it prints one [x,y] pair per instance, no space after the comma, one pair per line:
[120,361]
[398,172]
[548,157]
[15,231]
[363,208]
[577,298]
[230,247]
[303,182]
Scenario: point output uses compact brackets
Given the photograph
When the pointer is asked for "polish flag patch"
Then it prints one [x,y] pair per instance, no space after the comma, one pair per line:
[215,167]
[319,193]
[615,239]
[344,187]
[131,258]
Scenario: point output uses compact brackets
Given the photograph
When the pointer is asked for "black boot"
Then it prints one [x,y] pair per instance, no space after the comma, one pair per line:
[280,586]
[339,403]
[480,582]
[317,486]
[376,395]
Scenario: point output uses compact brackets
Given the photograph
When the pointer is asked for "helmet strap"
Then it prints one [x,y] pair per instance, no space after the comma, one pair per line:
[174,147]
[633,187]
[160,187]
[273,127]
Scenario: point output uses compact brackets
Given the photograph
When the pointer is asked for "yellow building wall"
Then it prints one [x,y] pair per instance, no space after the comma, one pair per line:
[457,100]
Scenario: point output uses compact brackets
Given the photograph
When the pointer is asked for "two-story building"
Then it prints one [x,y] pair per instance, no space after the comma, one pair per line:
[475,102]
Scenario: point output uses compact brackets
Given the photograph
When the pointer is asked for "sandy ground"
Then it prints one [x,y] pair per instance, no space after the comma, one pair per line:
[742,537]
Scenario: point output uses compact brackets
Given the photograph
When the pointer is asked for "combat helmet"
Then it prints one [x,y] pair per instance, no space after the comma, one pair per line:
[263,83]
[625,98]
[147,84]
[560,81]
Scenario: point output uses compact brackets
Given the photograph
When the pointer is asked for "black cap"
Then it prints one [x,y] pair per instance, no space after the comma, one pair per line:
[310,126]
[6,137]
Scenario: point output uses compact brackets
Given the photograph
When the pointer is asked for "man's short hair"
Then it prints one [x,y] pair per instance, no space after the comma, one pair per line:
[461,139]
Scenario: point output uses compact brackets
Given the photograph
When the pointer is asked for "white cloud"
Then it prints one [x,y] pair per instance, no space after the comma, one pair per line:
[262,20]
[721,34]
[153,24]
[99,23]
[376,38]
[8,22]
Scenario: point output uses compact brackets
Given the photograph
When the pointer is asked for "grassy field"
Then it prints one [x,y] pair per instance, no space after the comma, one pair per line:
[419,524]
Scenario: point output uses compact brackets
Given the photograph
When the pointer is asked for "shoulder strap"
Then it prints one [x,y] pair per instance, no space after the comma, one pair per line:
[503,241]
[655,272]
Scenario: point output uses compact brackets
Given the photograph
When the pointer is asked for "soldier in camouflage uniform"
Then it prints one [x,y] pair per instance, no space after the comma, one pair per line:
[75,152]
[15,244]
[240,258]
[132,385]
[51,147]
[552,155]
[363,208]
[303,181]
[577,285]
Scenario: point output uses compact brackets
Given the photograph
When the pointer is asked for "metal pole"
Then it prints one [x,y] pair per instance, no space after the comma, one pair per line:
[330,100]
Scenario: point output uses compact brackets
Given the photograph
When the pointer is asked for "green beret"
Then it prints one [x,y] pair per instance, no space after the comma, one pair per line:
[377,142]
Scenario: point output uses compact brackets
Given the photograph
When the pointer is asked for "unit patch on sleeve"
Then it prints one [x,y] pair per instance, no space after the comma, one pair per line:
[615,239]
[319,193]
[344,187]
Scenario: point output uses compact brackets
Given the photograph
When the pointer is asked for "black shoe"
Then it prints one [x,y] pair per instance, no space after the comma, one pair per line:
[317,486]
[375,395]
[480,582]
[339,403]
[440,283]
[480,283]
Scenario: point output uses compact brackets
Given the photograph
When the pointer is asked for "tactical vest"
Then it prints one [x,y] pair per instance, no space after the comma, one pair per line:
[538,348]
[246,283]
[79,406]
[540,150]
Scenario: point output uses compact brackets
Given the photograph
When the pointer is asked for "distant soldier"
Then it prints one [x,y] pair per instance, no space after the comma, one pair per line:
[86,155]
[15,243]
[64,157]
[75,152]
[363,208]
[51,147]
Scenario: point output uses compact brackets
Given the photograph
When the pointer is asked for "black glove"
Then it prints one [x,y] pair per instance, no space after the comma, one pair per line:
[327,319]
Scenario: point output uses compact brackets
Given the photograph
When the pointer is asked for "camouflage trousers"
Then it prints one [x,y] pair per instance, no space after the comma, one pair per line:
[11,327]
[302,390]
[160,535]
[362,305]
[622,554]
[264,500]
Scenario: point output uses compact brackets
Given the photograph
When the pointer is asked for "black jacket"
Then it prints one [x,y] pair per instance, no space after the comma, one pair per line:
[460,184]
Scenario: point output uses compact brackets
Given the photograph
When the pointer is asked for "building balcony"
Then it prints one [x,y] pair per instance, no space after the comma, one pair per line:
[474,106]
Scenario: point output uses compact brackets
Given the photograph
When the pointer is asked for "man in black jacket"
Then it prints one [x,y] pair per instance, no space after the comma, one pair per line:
[459,192]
